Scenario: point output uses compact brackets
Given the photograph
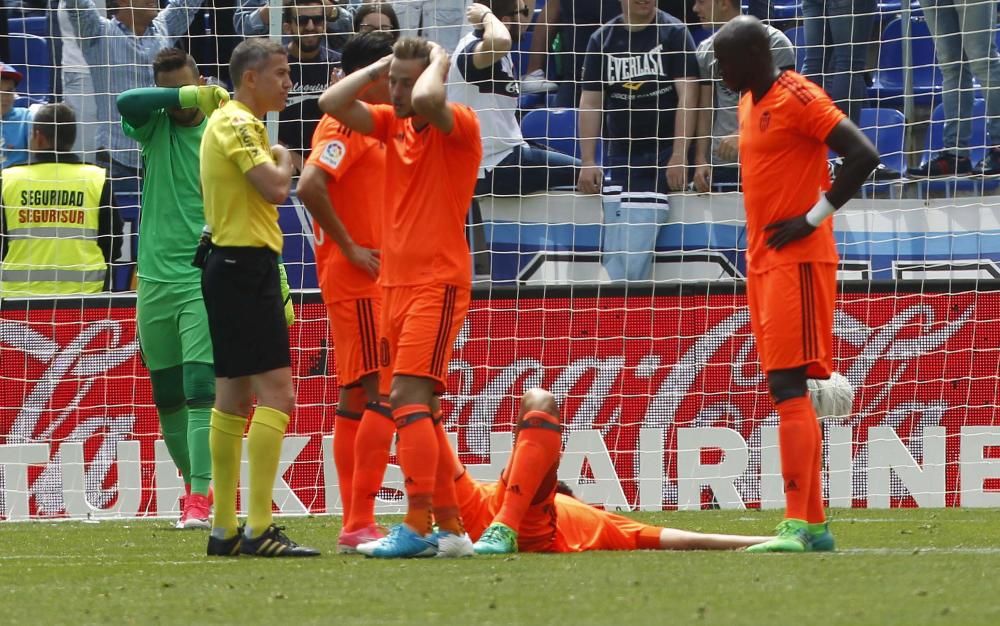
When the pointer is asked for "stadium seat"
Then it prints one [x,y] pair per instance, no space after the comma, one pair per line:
[888,81]
[886,128]
[797,36]
[31,55]
[782,10]
[556,129]
[979,142]
[35,25]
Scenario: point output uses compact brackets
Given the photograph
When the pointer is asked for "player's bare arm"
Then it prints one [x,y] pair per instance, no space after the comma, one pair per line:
[496,41]
[429,94]
[860,159]
[684,126]
[311,190]
[703,140]
[591,176]
[341,99]
[273,180]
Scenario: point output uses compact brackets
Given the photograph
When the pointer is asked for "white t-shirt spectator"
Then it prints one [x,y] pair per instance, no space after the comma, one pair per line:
[492,93]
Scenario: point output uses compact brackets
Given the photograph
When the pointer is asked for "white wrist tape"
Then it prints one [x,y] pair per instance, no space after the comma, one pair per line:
[820,211]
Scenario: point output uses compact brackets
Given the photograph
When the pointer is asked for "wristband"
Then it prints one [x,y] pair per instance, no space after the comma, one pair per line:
[820,211]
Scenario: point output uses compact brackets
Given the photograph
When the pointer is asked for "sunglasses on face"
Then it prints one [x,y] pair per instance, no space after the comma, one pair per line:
[523,12]
[305,19]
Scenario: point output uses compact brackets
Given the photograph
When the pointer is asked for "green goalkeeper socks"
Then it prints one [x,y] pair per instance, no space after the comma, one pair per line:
[199,453]
[174,426]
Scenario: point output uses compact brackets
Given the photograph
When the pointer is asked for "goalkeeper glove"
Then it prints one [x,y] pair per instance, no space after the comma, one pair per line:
[286,293]
[208,98]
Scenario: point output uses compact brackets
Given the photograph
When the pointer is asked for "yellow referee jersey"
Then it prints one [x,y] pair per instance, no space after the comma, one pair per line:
[235,141]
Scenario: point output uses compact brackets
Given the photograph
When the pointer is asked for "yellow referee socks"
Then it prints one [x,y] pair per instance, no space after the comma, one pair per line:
[267,429]
[226,444]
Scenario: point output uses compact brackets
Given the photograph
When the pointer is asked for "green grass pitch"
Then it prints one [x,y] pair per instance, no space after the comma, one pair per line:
[894,567]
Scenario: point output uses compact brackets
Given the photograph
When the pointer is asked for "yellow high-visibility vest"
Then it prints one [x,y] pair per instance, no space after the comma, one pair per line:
[52,212]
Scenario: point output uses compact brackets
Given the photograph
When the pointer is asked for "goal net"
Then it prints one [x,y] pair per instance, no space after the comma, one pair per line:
[656,372]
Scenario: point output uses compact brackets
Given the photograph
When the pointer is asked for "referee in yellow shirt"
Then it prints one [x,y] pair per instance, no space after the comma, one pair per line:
[243,178]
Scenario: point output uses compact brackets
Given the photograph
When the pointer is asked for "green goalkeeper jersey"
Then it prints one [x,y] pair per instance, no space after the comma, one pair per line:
[173,212]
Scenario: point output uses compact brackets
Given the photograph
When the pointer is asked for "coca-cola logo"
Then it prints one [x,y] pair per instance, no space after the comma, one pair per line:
[634,372]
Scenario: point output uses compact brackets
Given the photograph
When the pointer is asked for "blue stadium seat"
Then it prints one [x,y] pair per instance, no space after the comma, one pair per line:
[35,25]
[886,128]
[782,10]
[31,55]
[889,8]
[979,142]
[797,36]
[888,81]
[556,129]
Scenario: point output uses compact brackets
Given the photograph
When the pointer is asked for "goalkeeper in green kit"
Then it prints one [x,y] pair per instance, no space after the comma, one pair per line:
[168,121]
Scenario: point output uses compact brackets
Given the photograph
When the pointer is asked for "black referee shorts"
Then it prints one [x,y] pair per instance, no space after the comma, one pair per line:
[246,315]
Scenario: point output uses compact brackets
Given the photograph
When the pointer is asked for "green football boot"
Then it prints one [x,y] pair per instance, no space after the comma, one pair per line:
[497,539]
[792,535]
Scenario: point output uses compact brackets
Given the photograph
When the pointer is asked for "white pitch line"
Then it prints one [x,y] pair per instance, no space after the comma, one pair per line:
[888,520]
[917,550]
[90,561]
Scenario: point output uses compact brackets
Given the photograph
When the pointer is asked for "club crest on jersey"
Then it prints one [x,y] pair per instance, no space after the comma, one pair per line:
[623,69]
[765,120]
[333,154]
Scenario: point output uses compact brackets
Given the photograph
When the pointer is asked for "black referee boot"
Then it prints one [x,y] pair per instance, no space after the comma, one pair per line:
[226,547]
[274,543]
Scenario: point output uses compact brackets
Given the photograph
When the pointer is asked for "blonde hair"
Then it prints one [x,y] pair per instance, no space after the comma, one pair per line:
[412,48]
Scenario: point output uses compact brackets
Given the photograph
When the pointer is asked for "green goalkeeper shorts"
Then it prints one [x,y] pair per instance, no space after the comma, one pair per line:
[172,324]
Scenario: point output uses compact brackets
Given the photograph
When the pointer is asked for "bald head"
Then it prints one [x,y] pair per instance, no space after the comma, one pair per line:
[743,52]
[744,33]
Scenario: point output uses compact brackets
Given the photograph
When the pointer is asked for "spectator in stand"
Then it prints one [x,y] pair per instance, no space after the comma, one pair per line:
[120,52]
[339,23]
[963,33]
[77,86]
[253,18]
[313,68]
[482,76]
[377,16]
[717,152]
[439,21]
[574,21]
[640,75]
[58,232]
[15,121]
[837,36]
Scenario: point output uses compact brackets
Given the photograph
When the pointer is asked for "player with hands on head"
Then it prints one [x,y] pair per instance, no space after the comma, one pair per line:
[433,150]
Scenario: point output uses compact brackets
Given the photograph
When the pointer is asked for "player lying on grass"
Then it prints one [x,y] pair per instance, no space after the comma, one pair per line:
[528,510]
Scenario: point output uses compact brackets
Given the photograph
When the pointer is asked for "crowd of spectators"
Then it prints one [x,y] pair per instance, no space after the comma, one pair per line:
[654,118]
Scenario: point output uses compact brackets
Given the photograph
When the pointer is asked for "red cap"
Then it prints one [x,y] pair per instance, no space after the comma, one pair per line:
[9,73]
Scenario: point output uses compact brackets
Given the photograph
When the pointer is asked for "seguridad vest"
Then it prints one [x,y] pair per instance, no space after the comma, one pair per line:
[52,212]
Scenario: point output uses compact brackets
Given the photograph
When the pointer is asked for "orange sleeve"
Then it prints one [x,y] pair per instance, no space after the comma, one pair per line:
[466,125]
[336,150]
[819,115]
[384,118]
